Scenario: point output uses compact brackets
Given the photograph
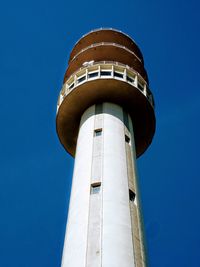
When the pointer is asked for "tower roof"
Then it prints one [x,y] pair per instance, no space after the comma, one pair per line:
[106,45]
[105,35]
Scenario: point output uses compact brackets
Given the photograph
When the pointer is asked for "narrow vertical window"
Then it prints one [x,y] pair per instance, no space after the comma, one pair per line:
[131,195]
[127,139]
[95,188]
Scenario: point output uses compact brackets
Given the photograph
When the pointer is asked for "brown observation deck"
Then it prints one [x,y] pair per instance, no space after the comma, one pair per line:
[105,65]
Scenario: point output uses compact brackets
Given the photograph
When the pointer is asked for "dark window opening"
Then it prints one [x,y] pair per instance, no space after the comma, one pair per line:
[131,195]
[95,188]
[140,87]
[129,79]
[127,139]
[92,75]
[81,79]
[105,73]
[71,86]
[119,75]
[148,91]
[97,132]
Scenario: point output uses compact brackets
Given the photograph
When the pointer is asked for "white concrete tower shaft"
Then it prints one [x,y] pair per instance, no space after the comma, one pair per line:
[104,227]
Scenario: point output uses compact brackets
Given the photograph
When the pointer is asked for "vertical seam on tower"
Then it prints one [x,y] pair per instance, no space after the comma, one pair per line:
[132,221]
[102,183]
[134,259]
[89,196]
[138,202]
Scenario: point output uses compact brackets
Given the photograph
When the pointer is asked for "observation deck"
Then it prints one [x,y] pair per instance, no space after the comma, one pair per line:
[105,66]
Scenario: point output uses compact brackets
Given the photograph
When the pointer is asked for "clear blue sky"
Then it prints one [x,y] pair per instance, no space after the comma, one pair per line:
[35,172]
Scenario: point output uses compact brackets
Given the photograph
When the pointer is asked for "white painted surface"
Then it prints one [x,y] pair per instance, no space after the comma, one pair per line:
[74,252]
[95,213]
[117,247]
[107,215]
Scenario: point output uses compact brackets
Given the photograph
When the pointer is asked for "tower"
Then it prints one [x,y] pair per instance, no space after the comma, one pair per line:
[105,119]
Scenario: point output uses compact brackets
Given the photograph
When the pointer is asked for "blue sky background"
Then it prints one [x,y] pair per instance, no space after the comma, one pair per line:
[36,38]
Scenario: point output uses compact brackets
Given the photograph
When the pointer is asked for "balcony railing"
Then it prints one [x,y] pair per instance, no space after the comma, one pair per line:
[106,70]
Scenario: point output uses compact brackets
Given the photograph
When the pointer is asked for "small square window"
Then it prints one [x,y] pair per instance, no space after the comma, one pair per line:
[97,132]
[140,86]
[95,188]
[131,195]
[71,86]
[127,139]
[129,79]
[119,75]
[81,79]
[105,73]
[92,75]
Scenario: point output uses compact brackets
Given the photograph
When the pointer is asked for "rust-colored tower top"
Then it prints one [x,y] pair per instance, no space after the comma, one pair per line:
[105,35]
[105,65]
[106,45]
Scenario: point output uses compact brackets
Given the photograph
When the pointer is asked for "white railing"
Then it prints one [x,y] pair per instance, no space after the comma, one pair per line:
[106,70]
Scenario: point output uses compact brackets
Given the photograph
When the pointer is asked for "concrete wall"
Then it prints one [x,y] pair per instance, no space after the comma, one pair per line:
[117,247]
[74,251]
[103,228]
